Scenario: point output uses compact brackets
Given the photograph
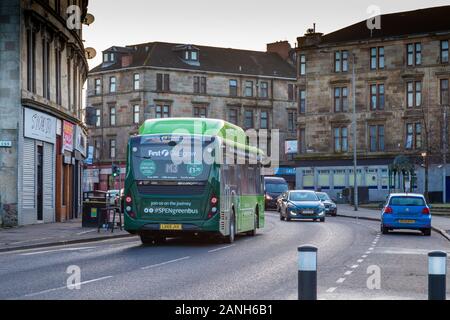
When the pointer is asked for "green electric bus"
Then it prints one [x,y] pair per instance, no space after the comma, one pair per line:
[189,176]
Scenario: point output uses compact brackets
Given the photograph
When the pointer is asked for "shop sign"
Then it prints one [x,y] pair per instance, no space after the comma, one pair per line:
[5,144]
[68,132]
[80,141]
[39,126]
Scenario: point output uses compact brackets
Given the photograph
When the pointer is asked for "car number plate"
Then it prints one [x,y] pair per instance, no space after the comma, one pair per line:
[407,221]
[308,212]
[171,227]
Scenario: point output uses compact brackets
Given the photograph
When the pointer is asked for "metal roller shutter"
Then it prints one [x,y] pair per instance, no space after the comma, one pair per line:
[29,175]
[49,182]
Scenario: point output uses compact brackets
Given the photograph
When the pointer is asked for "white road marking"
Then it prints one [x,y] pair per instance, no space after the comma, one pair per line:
[341,280]
[355,266]
[222,248]
[371,249]
[62,288]
[85,232]
[348,273]
[364,256]
[368,252]
[360,261]
[57,250]
[164,263]
[331,290]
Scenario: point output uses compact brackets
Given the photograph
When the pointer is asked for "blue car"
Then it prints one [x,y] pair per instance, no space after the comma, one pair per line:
[302,205]
[407,212]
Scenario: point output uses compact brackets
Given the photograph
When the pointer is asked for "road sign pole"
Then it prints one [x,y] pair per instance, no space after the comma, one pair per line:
[437,271]
[307,273]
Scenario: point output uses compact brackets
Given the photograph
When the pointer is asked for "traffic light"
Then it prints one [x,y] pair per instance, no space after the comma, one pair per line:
[115,171]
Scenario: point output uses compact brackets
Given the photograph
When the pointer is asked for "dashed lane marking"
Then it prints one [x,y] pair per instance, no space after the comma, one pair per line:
[348,273]
[360,261]
[341,280]
[331,290]
[356,266]
[164,263]
[222,248]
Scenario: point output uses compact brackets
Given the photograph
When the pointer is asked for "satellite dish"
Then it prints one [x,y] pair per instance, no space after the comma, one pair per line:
[89,19]
[90,53]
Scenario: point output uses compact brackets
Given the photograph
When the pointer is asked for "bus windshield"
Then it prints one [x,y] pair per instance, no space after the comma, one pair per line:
[153,159]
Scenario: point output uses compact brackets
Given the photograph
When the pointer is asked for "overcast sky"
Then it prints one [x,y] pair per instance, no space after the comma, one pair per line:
[242,24]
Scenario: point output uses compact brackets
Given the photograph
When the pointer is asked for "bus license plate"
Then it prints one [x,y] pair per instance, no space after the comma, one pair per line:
[171,227]
[407,221]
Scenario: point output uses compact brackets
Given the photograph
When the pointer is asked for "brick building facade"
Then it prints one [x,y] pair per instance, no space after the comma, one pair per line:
[252,89]
[402,82]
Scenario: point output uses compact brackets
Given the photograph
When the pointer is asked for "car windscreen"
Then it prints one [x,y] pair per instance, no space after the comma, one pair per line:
[276,188]
[158,159]
[323,196]
[303,196]
[407,201]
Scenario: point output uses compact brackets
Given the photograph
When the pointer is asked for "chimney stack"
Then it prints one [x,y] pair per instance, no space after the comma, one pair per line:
[282,48]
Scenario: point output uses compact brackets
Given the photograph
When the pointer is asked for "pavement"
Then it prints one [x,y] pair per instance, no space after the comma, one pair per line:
[52,234]
[253,268]
[440,224]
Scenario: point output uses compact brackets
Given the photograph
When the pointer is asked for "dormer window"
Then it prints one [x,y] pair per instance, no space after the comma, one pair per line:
[109,57]
[105,57]
[112,57]
[191,55]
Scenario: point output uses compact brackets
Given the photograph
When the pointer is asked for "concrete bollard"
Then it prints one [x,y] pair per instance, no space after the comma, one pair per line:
[437,271]
[307,273]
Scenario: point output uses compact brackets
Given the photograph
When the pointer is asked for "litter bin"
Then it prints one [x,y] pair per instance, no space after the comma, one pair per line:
[94,204]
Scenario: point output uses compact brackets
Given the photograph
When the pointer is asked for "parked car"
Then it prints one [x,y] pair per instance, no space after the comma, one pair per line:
[302,205]
[330,206]
[406,211]
[273,188]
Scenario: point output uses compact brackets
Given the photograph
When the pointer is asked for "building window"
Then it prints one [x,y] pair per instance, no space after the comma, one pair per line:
[302,101]
[112,148]
[264,120]
[162,111]
[58,76]
[413,136]
[414,54]
[200,112]
[112,84]
[302,141]
[377,98]
[444,51]
[191,55]
[97,149]
[98,118]
[341,61]
[200,85]
[376,137]
[249,119]
[291,121]
[340,139]
[46,68]
[112,116]
[444,92]
[248,92]
[233,88]
[136,81]
[162,82]
[414,94]
[98,87]
[31,61]
[291,92]
[264,90]
[233,116]
[302,65]
[136,114]
[340,99]
[377,58]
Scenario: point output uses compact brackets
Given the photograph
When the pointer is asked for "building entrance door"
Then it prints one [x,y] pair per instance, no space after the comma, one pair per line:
[447,180]
[40,183]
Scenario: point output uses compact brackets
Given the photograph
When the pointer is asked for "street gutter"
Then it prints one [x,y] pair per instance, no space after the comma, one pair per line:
[65,243]
[435,229]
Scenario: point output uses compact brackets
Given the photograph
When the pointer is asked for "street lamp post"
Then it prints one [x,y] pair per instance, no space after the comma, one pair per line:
[425,164]
[355,163]
[444,156]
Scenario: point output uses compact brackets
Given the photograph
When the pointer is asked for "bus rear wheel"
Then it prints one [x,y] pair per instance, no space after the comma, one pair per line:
[255,225]
[147,240]
[232,230]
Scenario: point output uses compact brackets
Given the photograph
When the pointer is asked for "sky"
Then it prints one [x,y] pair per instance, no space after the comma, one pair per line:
[241,24]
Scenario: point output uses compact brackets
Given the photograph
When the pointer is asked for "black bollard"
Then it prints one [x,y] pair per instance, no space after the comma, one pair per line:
[437,270]
[307,273]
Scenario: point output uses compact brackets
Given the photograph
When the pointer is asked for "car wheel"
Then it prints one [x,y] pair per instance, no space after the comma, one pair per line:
[322,220]
[384,230]
[427,232]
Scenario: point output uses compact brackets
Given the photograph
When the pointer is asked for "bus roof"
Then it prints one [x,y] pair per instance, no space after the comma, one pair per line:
[211,127]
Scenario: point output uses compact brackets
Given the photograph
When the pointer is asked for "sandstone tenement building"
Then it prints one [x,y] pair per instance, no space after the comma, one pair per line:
[402,85]
[255,90]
